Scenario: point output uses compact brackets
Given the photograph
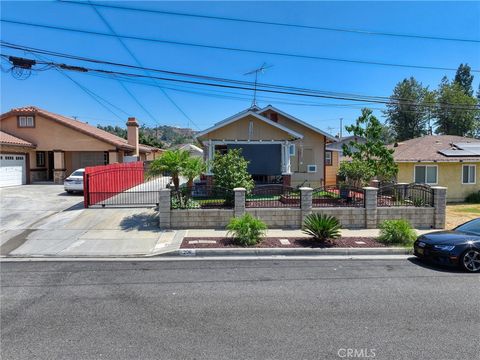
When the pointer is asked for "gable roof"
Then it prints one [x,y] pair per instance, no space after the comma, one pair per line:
[338,145]
[301,122]
[243,114]
[78,126]
[7,139]
[435,148]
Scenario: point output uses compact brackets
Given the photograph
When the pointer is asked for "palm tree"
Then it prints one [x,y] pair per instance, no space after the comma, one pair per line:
[193,167]
[172,162]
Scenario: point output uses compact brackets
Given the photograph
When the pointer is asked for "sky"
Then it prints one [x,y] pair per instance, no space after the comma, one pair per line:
[164,103]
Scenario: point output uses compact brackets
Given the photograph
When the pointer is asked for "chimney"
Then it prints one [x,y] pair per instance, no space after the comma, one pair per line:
[132,134]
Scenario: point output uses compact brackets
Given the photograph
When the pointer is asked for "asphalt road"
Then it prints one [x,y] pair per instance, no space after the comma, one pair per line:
[263,309]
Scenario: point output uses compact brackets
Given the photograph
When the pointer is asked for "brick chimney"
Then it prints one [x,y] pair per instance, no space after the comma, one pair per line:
[132,134]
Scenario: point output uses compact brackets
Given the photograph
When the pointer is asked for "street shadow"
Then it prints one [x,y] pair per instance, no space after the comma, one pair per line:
[76,194]
[78,206]
[142,222]
[435,267]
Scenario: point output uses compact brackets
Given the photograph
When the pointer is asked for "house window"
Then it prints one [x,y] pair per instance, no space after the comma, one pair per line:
[26,121]
[328,158]
[469,174]
[105,158]
[40,158]
[312,168]
[426,174]
[291,149]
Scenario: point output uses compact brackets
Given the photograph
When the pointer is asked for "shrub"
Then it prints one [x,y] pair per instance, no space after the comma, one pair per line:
[398,232]
[246,230]
[230,171]
[473,198]
[321,227]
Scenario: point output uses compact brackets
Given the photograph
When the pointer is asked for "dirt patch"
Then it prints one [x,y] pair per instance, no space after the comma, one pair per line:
[459,213]
[274,242]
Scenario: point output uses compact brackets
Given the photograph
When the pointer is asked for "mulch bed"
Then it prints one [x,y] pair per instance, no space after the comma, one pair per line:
[274,242]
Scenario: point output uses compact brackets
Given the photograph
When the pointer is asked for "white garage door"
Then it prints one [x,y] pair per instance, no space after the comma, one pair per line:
[12,170]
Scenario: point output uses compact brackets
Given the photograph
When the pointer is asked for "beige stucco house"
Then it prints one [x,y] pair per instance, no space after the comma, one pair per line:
[280,147]
[443,160]
[38,145]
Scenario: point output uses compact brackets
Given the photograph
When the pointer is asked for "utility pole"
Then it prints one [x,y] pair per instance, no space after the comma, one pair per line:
[261,69]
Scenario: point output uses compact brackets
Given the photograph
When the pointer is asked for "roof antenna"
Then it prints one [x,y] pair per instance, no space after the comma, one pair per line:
[256,71]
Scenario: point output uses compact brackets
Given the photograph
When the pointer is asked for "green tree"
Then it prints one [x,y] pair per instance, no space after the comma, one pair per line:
[172,162]
[457,112]
[464,78]
[405,111]
[374,153]
[193,167]
[230,170]
[356,173]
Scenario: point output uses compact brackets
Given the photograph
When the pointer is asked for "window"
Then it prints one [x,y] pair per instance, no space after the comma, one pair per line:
[40,158]
[328,158]
[426,174]
[312,168]
[291,149]
[26,121]
[469,174]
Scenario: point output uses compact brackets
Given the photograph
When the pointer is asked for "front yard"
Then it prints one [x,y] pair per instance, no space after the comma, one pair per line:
[460,213]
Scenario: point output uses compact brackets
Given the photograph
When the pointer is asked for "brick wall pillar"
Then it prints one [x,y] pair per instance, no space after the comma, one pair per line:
[164,211]
[287,180]
[440,206]
[370,194]
[305,201]
[239,201]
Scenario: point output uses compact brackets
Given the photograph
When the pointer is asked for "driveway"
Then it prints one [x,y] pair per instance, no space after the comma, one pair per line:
[43,220]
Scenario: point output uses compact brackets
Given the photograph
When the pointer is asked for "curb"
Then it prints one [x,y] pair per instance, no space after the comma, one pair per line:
[216,252]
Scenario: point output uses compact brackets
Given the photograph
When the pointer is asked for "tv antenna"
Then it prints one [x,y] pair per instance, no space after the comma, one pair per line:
[256,71]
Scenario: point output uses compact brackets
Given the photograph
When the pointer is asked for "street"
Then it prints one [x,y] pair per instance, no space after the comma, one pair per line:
[252,309]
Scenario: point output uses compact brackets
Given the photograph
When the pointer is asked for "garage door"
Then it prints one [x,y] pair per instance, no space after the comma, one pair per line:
[12,170]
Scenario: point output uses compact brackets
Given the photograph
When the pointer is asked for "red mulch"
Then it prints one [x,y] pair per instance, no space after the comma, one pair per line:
[273,242]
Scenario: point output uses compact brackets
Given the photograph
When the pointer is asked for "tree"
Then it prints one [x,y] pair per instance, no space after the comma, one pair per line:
[464,78]
[405,111]
[230,170]
[374,153]
[193,167]
[457,112]
[172,162]
[356,173]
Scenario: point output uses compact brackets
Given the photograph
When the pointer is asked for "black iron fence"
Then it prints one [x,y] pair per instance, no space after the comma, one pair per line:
[418,195]
[338,196]
[273,196]
[201,196]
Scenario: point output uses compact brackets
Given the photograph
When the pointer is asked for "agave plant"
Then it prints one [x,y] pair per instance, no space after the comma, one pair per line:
[321,227]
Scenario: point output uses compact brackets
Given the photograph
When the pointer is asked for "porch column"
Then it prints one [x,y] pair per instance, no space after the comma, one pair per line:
[113,157]
[210,155]
[286,158]
[59,167]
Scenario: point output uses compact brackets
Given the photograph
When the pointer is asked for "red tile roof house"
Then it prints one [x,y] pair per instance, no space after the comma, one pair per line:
[38,145]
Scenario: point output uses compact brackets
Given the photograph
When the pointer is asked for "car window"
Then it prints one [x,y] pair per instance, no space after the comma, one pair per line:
[77,173]
[470,227]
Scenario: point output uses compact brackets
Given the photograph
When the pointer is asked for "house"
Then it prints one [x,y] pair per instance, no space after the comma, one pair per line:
[443,160]
[192,149]
[38,145]
[334,155]
[280,147]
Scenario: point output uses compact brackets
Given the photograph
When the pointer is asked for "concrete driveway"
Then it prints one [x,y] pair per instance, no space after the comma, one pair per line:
[43,220]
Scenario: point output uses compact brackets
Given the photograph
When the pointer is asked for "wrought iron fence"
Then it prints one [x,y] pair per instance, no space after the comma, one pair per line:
[338,196]
[418,195]
[201,196]
[273,196]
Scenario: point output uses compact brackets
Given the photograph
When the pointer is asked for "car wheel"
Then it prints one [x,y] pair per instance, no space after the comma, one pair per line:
[70,191]
[470,260]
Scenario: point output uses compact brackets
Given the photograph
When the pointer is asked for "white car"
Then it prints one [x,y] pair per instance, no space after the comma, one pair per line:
[74,182]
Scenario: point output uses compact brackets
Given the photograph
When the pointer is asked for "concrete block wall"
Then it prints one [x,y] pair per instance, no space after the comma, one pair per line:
[350,217]
[278,218]
[200,218]
[419,217]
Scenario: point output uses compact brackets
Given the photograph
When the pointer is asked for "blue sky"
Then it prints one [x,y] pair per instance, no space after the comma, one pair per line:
[53,91]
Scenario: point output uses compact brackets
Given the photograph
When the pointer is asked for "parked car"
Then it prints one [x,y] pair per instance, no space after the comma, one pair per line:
[457,247]
[74,182]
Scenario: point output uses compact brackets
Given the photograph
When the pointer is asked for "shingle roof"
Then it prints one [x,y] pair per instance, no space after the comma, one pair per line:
[79,126]
[7,139]
[427,148]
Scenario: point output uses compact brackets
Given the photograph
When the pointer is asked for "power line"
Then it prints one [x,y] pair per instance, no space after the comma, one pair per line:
[226,48]
[264,22]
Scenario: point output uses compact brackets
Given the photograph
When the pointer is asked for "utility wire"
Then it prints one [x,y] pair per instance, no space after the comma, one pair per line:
[264,22]
[216,47]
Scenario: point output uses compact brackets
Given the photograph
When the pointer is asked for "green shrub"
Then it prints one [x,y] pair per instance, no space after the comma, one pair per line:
[246,230]
[321,227]
[183,202]
[473,198]
[398,232]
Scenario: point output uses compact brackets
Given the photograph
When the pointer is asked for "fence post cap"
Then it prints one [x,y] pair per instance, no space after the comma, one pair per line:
[166,189]
[439,187]
[239,189]
[370,188]
[306,188]
[402,183]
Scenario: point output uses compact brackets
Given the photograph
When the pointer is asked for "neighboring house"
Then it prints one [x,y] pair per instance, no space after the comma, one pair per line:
[443,160]
[280,147]
[194,150]
[43,146]
[334,155]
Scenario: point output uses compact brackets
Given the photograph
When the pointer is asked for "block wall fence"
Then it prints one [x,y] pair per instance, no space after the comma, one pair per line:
[367,217]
